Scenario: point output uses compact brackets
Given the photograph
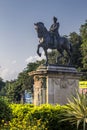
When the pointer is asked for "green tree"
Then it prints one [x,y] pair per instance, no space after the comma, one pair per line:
[83,33]
[5,112]
[2,85]
[24,82]
[33,66]
[76,41]
[52,56]
[9,90]
[15,89]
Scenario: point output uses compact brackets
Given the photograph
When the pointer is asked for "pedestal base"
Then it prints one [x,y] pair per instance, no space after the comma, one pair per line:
[59,84]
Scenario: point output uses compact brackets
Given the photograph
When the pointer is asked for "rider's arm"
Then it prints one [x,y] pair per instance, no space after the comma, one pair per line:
[56,26]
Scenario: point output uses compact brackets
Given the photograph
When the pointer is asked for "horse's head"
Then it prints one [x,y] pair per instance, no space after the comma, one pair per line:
[40,28]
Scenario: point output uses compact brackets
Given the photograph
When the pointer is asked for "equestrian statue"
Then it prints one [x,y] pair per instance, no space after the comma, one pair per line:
[52,40]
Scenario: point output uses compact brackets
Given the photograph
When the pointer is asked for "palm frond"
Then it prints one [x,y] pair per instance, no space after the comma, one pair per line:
[76,110]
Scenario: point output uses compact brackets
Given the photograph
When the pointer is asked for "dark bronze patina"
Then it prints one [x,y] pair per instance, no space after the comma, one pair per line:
[52,40]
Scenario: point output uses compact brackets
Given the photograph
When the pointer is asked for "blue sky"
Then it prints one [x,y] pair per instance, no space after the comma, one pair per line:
[18,39]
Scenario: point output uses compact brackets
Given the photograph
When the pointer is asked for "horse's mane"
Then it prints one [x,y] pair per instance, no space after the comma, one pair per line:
[42,24]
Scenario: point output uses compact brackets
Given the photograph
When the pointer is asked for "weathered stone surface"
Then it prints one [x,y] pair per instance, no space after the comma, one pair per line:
[61,82]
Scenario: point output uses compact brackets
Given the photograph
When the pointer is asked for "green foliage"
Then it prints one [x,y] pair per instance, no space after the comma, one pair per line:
[76,111]
[52,56]
[83,33]
[51,114]
[14,90]
[47,113]
[44,117]
[23,125]
[2,85]
[5,111]
[33,66]
[76,41]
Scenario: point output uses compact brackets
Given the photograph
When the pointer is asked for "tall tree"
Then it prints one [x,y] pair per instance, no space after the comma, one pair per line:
[83,33]
[2,85]
[76,40]
[9,90]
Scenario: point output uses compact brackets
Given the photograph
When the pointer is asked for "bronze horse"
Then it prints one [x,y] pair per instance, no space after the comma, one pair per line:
[46,42]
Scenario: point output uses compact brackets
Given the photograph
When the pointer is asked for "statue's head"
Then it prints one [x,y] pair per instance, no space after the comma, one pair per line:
[39,27]
[54,19]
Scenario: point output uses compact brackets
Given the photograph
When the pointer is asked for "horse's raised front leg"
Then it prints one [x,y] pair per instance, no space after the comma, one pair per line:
[38,50]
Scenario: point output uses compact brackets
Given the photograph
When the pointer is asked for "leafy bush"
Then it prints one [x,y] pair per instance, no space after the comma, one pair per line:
[22,119]
[5,111]
[19,111]
[44,117]
[51,116]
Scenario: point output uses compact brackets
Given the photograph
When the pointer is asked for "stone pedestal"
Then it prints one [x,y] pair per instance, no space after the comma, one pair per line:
[54,84]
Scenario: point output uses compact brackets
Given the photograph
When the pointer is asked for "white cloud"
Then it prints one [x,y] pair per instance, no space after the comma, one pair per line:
[3,72]
[35,58]
[11,70]
[14,62]
[8,74]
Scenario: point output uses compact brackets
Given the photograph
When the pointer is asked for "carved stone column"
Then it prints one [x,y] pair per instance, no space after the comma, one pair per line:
[39,90]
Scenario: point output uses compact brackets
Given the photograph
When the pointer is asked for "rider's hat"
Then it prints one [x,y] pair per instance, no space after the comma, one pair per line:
[54,18]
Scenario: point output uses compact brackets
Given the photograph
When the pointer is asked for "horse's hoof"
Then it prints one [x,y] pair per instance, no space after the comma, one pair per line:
[40,55]
[46,64]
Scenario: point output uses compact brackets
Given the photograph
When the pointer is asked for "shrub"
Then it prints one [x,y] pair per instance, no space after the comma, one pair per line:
[48,115]
[76,111]
[51,116]
[5,111]
[44,117]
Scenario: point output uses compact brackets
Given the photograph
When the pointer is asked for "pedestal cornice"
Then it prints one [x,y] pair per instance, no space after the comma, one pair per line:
[57,70]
